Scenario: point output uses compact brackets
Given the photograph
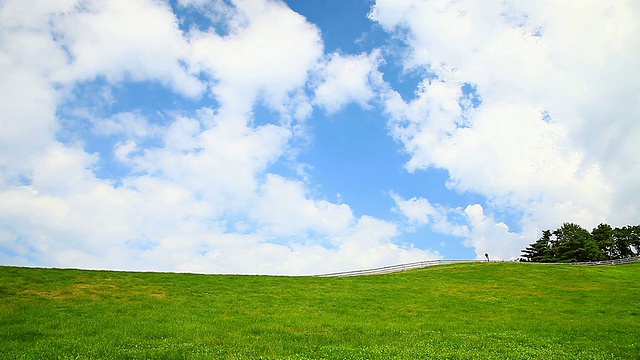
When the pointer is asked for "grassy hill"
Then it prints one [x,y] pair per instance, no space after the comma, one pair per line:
[479,310]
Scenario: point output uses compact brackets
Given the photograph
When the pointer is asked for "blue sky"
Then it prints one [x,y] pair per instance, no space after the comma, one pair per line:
[310,136]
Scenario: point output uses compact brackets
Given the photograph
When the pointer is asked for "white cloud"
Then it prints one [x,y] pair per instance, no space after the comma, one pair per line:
[32,125]
[350,78]
[27,57]
[129,124]
[557,84]
[268,53]
[61,170]
[199,197]
[59,214]
[420,212]
[490,237]
[436,99]
[285,207]
[554,137]
[478,230]
[152,223]
[220,161]
[121,40]
[370,245]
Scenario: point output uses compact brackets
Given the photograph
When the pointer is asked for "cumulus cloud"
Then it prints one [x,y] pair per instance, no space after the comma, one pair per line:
[199,197]
[370,244]
[27,58]
[267,53]
[420,212]
[130,124]
[532,106]
[219,158]
[471,224]
[487,236]
[286,208]
[551,85]
[345,79]
[121,40]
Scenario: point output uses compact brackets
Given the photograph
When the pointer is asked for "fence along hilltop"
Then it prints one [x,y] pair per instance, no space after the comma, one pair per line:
[424,264]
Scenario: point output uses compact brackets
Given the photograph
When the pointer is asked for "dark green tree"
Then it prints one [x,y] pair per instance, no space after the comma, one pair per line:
[539,251]
[603,237]
[574,243]
[624,239]
[635,239]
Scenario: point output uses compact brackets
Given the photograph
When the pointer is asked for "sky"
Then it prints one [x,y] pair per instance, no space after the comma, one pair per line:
[311,136]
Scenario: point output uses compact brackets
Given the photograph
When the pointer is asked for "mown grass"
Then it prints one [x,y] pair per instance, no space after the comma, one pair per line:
[463,311]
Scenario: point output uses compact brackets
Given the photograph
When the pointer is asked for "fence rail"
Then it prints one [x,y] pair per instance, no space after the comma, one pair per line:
[609,262]
[424,264]
[397,268]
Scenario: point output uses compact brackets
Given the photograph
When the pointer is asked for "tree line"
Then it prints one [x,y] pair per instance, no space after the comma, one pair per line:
[572,243]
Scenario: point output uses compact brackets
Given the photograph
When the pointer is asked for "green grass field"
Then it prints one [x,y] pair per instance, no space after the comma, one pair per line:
[463,311]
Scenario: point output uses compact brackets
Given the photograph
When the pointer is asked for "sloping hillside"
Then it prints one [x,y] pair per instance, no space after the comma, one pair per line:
[477,310]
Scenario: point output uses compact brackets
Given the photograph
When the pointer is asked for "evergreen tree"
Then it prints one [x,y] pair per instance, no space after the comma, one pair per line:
[603,236]
[574,243]
[623,239]
[539,251]
[635,239]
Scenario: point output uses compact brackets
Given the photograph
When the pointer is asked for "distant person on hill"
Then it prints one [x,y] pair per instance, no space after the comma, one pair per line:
[487,256]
